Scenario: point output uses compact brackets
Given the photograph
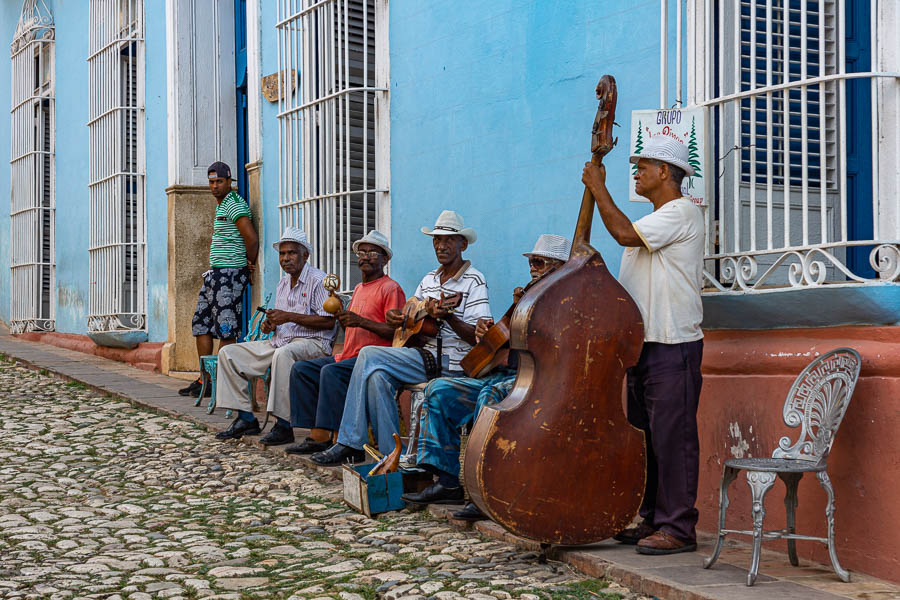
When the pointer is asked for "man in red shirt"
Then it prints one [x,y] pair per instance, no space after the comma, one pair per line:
[319,386]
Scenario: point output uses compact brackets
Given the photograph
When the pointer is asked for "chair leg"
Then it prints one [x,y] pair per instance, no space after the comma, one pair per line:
[416,401]
[728,475]
[202,389]
[790,504]
[760,483]
[843,573]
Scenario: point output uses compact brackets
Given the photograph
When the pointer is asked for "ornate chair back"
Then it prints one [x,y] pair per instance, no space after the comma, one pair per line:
[817,402]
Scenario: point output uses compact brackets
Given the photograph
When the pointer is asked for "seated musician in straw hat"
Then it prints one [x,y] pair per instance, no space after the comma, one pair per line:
[380,371]
[662,269]
[319,386]
[302,329]
[454,402]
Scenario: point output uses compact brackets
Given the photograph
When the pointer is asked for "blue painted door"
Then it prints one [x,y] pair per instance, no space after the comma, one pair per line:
[240,79]
[859,135]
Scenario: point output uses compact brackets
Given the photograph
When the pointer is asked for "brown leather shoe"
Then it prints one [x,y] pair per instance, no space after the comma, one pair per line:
[633,535]
[663,543]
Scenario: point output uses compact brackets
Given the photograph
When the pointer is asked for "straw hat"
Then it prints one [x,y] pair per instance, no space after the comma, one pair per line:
[450,223]
[293,234]
[376,238]
[551,246]
[666,149]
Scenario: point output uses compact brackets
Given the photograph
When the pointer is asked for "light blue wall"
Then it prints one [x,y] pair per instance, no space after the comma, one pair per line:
[9,16]
[72,200]
[269,175]
[491,111]
[155,97]
[72,176]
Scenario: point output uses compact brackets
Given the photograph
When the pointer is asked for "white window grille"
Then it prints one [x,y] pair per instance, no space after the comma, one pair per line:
[334,128]
[118,230]
[33,172]
[773,75]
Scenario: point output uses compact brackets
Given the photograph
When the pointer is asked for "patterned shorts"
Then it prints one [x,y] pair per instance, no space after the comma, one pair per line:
[219,306]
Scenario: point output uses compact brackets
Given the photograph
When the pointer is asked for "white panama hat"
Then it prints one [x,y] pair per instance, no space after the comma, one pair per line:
[668,150]
[450,223]
[293,234]
[551,246]
[376,238]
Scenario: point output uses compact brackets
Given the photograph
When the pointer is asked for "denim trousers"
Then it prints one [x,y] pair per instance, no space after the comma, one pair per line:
[371,393]
[451,403]
[318,390]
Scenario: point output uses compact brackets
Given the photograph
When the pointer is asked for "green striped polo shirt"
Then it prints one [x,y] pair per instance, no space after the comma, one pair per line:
[227,248]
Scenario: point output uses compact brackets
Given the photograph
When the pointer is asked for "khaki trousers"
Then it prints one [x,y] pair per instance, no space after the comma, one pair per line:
[239,362]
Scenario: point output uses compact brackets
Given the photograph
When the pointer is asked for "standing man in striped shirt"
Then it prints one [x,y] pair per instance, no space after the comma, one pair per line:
[232,257]
[380,371]
[303,330]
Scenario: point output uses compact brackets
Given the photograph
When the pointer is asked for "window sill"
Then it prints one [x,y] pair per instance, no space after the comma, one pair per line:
[822,306]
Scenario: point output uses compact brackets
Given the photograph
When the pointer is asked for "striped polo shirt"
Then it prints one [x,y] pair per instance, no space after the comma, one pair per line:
[306,298]
[475,305]
[227,248]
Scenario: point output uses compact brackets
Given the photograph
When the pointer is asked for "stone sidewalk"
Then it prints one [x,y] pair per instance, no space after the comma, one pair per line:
[675,577]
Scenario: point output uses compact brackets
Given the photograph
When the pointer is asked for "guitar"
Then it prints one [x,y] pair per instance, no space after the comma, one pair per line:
[492,349]
[416,320]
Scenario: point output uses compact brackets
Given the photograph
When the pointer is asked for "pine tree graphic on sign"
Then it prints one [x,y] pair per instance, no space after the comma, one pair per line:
[693,154]
[638,145]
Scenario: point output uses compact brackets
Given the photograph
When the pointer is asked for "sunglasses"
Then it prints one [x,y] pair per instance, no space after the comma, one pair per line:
[537,262]
[368,253]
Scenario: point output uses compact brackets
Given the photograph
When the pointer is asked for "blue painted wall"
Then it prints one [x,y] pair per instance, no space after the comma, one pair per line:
[270,232]
[72,200]
[157,172]
[9,16]
[491,110]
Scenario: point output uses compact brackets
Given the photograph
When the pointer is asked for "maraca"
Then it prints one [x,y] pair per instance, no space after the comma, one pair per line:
[332,303]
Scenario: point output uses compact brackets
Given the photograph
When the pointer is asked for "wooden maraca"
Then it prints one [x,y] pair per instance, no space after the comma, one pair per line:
[332,304]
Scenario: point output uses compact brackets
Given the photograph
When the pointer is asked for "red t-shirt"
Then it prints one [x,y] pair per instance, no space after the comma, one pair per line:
[372,301]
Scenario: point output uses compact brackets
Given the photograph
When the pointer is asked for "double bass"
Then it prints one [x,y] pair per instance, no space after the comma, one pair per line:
[556,461]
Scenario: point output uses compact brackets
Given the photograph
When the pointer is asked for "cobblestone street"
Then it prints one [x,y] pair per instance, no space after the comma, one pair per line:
[102,500]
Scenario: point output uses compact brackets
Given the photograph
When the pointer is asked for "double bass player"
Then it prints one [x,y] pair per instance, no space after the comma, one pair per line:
[662,269]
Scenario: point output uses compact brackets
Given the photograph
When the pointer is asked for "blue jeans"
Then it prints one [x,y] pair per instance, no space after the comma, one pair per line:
[379,371]
[450,403]
[318,389]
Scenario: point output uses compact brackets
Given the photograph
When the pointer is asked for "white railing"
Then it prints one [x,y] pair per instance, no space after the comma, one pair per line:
[334,128]
[773,76]
[33,172]
[117,246]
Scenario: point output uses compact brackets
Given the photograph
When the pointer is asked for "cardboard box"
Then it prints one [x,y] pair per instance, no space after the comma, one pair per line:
[372,495]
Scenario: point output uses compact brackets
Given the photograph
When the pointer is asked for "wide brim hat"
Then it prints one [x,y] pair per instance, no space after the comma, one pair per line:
[294,234]
[667,150]
[551,246]
[450,223]
[376,238]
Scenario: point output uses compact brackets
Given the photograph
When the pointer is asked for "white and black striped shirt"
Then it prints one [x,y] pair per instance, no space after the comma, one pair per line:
[470,282]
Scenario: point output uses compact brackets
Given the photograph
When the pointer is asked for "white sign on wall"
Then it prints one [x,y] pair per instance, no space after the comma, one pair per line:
[688,126]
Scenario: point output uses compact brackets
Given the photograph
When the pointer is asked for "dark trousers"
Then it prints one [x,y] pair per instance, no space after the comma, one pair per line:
[663,394]
[318,391]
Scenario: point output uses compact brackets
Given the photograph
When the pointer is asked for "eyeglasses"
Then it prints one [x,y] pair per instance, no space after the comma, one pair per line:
[368,253]
[537,262]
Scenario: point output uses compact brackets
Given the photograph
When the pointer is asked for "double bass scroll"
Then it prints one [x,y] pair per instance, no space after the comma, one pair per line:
[557,461]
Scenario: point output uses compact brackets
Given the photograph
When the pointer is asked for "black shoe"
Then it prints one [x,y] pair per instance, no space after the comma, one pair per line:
[633,535]
[278,436]
[436,494]
[192,390]
[308,446]
[238,429]
[470,512]
[337,455]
